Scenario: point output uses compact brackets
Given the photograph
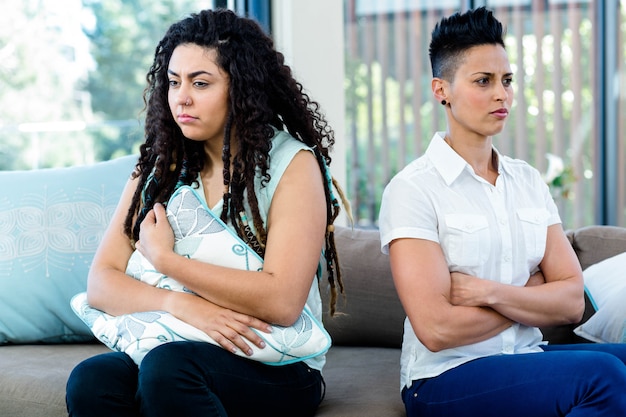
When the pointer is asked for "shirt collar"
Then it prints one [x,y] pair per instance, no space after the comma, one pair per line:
[448,163]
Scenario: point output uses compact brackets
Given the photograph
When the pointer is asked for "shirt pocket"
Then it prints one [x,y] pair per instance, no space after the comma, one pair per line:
[534,225]
[468,239]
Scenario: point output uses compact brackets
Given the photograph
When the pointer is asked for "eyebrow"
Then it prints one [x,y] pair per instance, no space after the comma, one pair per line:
[191,74]
[491,74]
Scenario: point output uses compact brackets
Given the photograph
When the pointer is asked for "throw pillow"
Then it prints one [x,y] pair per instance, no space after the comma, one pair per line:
[51,222]
[604,279]
[605,284]
[201,235]
[608,324]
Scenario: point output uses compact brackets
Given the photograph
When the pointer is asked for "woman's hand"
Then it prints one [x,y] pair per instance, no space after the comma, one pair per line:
[536,279]
[467,290]
[551,297]
[228,328]
[156,237]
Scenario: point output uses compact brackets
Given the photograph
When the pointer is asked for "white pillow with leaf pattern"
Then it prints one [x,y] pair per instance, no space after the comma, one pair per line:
[201,235]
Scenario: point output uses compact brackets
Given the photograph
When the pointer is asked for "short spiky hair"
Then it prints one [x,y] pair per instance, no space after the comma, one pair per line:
[455,34]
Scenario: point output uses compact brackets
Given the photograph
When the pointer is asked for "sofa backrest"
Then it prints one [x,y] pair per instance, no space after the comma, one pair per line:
[593,244]
[370,314]
[51,222]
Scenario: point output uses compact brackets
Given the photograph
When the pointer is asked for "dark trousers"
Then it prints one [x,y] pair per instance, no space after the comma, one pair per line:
[564,380]
[191,379]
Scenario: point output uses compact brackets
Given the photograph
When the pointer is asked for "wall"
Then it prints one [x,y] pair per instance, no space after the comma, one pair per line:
[310,35]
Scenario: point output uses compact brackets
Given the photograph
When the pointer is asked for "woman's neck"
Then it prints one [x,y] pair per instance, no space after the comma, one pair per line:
[478,154]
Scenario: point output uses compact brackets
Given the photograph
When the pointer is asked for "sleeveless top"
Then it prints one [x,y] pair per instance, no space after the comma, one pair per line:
[284,149]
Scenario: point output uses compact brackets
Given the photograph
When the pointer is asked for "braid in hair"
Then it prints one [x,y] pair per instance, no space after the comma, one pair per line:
[226,160]
[330,254]
[253,202]
[234,206]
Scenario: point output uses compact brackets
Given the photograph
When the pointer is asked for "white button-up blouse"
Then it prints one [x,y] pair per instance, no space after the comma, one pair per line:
[493,232]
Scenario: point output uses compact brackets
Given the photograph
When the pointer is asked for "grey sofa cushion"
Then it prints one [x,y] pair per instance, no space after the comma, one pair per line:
[370,314]
[362,381]
[33,377]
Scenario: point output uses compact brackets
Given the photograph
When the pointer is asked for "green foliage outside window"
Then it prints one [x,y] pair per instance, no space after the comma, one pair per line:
[72,75]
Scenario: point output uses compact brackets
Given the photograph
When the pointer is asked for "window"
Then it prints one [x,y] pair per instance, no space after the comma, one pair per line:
[73,74]
[561,78]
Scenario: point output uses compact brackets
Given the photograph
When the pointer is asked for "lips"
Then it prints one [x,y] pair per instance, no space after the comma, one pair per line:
[185,118]
[500,113]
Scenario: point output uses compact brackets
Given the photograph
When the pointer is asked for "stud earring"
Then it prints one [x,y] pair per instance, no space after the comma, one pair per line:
[443,102]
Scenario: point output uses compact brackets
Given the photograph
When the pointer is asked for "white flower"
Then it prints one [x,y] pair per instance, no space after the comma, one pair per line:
[555,168]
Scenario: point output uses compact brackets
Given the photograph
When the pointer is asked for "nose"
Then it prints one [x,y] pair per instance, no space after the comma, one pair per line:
[183,99]
[501,93]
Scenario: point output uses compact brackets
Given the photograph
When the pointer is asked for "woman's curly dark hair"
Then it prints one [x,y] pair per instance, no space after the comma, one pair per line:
[263,94]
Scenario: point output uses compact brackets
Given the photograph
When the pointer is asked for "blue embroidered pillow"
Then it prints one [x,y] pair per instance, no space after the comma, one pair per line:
[51,222]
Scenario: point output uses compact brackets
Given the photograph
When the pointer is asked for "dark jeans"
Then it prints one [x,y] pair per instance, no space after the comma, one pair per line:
[564,380]
[191,379]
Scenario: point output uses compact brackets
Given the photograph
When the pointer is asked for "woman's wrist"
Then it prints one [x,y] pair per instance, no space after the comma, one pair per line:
[170,301]
[167,263]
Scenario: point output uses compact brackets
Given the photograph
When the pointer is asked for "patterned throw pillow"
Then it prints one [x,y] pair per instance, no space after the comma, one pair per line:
[200,235]
[51,222]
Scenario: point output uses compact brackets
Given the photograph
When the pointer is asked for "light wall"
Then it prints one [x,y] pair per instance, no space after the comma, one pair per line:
[310,35]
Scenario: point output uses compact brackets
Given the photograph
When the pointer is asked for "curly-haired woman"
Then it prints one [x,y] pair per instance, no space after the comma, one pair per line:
[224,115]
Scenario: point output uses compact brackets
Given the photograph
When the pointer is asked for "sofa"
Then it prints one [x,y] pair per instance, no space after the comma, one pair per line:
[51,221]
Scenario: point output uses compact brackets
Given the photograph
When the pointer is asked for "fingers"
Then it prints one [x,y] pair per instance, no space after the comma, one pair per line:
[536,279]
[156,215]
[155,234]
[234,341]
[150,219]
[238,334]
[159,212]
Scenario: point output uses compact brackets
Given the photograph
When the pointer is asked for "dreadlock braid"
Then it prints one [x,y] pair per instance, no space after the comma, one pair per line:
[330,254]
[226,172]
[253,201]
